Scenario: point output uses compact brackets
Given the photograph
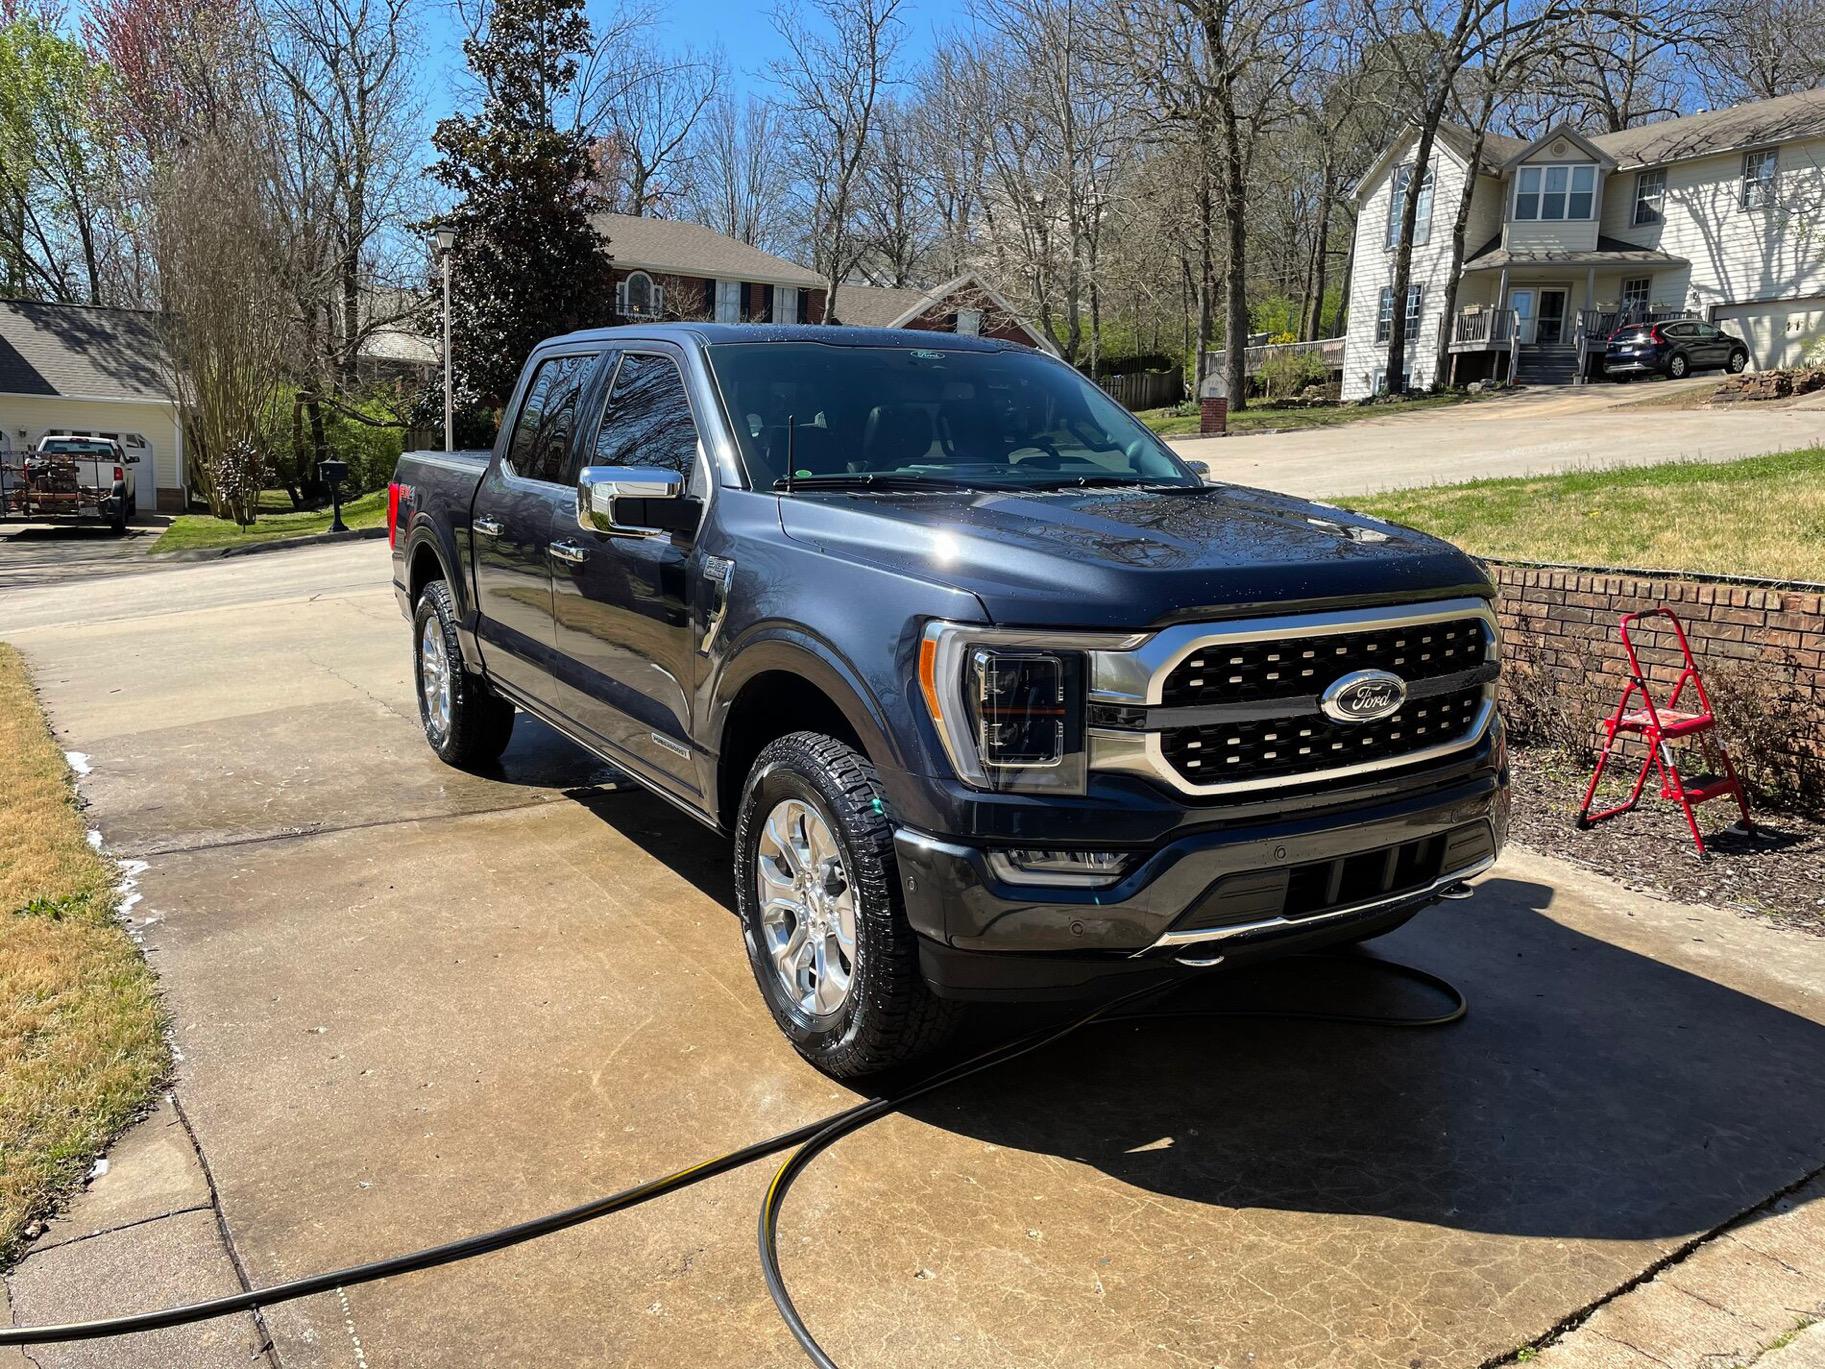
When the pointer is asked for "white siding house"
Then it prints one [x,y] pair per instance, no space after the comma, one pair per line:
[71,368]
[1718,215]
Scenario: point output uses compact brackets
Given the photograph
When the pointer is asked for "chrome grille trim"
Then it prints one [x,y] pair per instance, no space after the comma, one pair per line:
[1137,678]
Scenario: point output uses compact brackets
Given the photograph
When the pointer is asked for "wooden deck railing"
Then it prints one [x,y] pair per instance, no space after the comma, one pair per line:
[1491,329]
[1329,350]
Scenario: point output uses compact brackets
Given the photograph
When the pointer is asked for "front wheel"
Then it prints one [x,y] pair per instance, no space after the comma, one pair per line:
[1678,366]
[1738,360]
[819,895]
[466,722]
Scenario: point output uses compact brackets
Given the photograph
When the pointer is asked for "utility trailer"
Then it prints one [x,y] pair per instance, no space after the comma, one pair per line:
[66,479]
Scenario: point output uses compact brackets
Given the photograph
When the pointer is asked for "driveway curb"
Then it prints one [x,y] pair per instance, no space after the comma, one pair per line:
[276,544]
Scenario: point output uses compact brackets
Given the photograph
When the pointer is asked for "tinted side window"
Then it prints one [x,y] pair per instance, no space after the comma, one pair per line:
[648,419]
[547,417]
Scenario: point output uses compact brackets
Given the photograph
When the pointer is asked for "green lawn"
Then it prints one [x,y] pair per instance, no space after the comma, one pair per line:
[200,530]
[1761,517]
[81,1032]
[1263,417]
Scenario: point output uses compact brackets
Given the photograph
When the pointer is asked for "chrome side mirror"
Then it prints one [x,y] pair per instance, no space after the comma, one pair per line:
[630,500]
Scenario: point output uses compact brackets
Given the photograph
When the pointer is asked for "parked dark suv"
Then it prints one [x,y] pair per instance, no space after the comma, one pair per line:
[1674,349]
[996,696]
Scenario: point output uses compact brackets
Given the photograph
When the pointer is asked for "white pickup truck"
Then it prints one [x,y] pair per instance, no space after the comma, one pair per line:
[69,477]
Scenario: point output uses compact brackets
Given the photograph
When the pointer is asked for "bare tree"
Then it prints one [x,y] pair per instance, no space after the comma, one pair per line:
[893,217]
[1760,49]
[738,172]
[953,141]
[229,324]
[650,119]
[1219,71]
[831,82]
[344,71]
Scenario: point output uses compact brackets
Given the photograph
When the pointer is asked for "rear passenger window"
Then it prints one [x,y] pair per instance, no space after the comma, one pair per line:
[547,417]
[648,419]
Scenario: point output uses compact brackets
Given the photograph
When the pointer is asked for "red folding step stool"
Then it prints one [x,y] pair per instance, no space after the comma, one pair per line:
[1656,726]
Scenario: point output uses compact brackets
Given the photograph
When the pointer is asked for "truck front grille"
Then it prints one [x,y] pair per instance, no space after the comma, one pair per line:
[1217,753]
[1250,671]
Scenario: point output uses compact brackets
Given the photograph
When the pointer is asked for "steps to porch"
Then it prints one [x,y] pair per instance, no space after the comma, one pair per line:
[1547,364]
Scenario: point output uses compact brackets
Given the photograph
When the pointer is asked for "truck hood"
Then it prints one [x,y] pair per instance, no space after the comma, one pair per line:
[1125,558]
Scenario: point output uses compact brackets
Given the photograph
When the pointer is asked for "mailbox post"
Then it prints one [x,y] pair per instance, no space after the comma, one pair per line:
[333,474]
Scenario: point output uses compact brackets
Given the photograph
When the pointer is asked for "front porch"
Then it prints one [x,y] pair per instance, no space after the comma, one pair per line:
[1544,317]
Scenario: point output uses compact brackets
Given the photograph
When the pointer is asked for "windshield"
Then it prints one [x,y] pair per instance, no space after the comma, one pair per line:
[834,414]
[77,448]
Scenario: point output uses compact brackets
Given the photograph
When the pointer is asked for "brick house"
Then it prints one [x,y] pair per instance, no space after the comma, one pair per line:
[966,305]
[670,269]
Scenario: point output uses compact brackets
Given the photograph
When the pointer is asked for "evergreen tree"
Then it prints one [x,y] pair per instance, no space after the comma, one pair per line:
[527,262]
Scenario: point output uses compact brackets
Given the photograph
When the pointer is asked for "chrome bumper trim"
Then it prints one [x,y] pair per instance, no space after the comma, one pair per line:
[1201,935]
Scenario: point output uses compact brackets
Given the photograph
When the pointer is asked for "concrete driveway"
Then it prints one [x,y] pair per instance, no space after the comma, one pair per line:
[1533,432]
[411,1003]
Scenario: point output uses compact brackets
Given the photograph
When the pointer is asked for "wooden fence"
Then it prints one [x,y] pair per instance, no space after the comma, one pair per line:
[1145,389]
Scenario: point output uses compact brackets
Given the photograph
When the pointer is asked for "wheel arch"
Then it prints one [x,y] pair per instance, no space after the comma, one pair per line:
[783,685]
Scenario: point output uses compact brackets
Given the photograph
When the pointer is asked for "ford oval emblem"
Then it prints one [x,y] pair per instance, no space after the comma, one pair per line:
[1362,696]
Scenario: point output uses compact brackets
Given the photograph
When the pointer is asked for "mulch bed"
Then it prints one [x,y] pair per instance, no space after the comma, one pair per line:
[1778,873]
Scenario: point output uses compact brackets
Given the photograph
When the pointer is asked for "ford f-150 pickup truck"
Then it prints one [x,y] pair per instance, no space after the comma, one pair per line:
[997,697]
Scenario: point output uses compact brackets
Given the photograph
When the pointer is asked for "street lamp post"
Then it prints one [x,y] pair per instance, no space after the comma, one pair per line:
[446,240]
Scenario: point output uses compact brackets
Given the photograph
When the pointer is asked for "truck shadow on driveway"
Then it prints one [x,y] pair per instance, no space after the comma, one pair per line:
[1592,1092]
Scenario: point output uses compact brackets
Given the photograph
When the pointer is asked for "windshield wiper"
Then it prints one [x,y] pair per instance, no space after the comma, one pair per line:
[875,480]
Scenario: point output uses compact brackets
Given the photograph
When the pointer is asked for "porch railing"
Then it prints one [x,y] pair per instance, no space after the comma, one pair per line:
[1479,328]
[1329,352]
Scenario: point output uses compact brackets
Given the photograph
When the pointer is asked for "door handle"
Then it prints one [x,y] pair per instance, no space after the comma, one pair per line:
[568,552]
[487,527]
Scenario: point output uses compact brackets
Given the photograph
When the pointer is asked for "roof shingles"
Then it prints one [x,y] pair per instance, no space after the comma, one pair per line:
[80,351]
[672,246]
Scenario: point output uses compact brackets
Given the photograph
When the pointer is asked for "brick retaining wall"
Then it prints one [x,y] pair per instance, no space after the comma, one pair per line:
[1762,652]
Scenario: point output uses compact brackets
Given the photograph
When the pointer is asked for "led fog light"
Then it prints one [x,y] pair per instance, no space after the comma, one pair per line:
[1036,865]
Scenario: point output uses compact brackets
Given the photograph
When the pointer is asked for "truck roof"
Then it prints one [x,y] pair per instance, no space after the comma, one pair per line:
[843,335]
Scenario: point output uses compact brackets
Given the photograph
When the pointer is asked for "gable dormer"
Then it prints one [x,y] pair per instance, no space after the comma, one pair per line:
[1554,187]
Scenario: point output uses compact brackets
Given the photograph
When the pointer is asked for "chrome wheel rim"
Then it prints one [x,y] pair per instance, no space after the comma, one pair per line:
[434,680]
[807,908]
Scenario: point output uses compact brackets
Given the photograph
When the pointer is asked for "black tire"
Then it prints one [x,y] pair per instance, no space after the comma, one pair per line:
[889,1017]
[118,523]
[1738,363]
[1677,366]
[480,721]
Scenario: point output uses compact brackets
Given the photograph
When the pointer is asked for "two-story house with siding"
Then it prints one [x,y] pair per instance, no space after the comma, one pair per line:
[1718,216]
[670,269]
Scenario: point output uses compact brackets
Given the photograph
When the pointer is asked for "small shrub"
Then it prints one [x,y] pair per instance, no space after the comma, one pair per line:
[1287,373]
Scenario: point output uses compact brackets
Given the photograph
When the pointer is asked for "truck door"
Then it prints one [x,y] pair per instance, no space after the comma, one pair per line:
[521,500]
[622,600]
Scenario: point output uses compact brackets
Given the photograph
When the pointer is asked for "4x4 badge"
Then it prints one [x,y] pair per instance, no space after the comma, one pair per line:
[1362,696]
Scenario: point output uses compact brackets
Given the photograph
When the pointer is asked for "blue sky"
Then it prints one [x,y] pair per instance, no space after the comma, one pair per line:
[743,31]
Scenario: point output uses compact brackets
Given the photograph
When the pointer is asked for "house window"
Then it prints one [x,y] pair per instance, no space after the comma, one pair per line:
[1378,381]
[1635,297]
[728,301]
[785,305]
[1397,203]
[969,322]
[1384,316]
[1758,179]
[1555,192]
[640,298]
[1650,196]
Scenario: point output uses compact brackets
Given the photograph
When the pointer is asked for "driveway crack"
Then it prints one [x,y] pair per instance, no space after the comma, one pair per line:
[268,1347]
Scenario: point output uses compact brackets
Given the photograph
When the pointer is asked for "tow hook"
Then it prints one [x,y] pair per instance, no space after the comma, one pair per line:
[1457,892]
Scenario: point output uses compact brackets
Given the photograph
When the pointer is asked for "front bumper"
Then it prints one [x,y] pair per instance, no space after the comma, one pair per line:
[1235,892]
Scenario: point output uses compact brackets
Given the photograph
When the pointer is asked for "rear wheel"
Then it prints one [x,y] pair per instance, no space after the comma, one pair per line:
[1677,366]
[465,721]
[819,895]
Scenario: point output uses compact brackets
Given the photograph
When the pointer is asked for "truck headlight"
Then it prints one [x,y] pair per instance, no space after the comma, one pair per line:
[1009,707]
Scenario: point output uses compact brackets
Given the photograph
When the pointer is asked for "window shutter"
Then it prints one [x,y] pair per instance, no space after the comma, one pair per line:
[709,298]
[621,298]
[766,304]
[658,300]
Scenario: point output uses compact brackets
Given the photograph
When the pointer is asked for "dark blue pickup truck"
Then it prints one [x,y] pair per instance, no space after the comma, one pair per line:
[997,697]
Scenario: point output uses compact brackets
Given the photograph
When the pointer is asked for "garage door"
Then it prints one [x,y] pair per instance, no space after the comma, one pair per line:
[1779,332]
